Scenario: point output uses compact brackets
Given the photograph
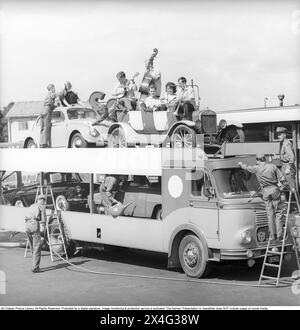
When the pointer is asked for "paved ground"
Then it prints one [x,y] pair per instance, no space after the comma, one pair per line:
[63,285]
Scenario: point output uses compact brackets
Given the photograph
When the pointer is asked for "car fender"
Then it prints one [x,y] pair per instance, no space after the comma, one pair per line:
[188,123]
[131,135]
[185,227]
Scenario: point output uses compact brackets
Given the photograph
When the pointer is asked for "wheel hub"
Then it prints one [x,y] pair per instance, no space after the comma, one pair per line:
[191,255]
[77,143]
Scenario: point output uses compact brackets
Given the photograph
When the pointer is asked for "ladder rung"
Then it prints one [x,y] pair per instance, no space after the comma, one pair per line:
[271,265]
[56,244]
[277,253]
[269,277]
[60,233]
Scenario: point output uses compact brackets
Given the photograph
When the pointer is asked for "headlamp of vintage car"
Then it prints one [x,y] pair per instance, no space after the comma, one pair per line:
[222,124]
[93,131]
[247,236]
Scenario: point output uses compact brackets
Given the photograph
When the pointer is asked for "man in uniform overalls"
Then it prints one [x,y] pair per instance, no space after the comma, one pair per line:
[46,116]
[287,157]
[35,218]
[269,178]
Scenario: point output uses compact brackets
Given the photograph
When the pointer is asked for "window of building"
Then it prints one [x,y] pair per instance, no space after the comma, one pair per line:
[257,132]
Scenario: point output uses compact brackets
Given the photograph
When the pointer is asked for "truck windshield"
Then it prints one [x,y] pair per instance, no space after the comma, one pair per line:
[235,183]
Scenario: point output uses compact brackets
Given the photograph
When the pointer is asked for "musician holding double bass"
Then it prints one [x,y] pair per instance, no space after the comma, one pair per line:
[185,100]
[125,91]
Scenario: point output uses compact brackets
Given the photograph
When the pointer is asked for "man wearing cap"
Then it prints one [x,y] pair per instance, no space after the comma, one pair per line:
[125,91]
[35,220]
[287,157]
[270,180]
[67,96]
[46,116]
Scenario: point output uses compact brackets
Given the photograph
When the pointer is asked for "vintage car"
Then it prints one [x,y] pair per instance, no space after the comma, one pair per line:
[142,194]
[161,128]
[69,191]
[71,127]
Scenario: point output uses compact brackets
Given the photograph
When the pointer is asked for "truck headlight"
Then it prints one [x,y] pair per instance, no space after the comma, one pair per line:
[93,132]
[247,237]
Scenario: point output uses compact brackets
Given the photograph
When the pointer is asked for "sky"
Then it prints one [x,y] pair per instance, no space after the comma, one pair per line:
[238,52]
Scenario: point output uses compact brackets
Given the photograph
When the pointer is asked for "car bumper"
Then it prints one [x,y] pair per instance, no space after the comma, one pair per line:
[251,253]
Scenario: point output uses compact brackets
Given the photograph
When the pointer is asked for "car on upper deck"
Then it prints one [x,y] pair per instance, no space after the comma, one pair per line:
[71,128]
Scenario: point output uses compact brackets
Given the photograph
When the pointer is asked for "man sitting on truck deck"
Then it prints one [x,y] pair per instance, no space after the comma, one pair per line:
[125,91]
[185,100]
[270,179]
[152,102]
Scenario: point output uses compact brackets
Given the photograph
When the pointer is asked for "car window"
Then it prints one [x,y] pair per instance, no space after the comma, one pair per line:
[57,116]
[29,178]
[81,113]
[9,181]
[201,184]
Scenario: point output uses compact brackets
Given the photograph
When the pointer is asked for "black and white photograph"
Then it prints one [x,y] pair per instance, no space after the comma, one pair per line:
[149,157]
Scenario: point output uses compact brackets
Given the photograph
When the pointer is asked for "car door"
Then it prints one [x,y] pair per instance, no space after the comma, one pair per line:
[58,130]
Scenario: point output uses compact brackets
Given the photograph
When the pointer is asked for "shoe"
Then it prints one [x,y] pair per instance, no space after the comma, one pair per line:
[36,270]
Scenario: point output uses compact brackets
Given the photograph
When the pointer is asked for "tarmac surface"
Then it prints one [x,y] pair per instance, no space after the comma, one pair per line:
[60,284]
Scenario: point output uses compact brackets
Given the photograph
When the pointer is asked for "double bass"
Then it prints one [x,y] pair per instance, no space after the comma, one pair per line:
[147,79]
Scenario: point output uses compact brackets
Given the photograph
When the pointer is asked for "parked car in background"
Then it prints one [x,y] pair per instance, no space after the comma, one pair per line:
[71,129]
[69,191]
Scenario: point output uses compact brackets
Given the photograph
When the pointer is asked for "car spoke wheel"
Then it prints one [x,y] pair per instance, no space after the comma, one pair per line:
[31,144]
[233,134]
[19,203]
[183,137]
[62,203]
[117,139]
[77,141]
[193,256]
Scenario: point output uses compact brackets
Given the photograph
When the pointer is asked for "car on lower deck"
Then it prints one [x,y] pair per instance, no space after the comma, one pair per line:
[69,192]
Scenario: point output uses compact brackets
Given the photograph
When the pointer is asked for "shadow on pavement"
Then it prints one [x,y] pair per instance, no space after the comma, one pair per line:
[63,265]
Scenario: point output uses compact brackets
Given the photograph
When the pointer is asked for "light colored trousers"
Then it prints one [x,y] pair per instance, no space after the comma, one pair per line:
[34,237]
[45,136]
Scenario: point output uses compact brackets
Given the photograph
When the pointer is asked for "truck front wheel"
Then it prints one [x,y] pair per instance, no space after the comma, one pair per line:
[193,256]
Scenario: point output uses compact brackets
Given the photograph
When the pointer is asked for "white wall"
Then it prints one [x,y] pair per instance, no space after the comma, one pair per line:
[17,134]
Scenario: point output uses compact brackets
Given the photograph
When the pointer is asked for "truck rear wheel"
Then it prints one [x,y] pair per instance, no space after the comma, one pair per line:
[193,256]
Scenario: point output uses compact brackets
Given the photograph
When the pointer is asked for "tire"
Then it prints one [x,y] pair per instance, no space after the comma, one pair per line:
[61,203]
[233,134]
[158,213]
[193,256]
[183,137]
[117,138]
[77,141]
[111,103]
[30,144]
[19,203]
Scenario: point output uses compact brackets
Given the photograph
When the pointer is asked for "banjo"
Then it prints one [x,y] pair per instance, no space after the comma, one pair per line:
[123,89]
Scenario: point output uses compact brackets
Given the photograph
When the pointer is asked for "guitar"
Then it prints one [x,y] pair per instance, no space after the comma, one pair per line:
[144,88]
[123,92]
